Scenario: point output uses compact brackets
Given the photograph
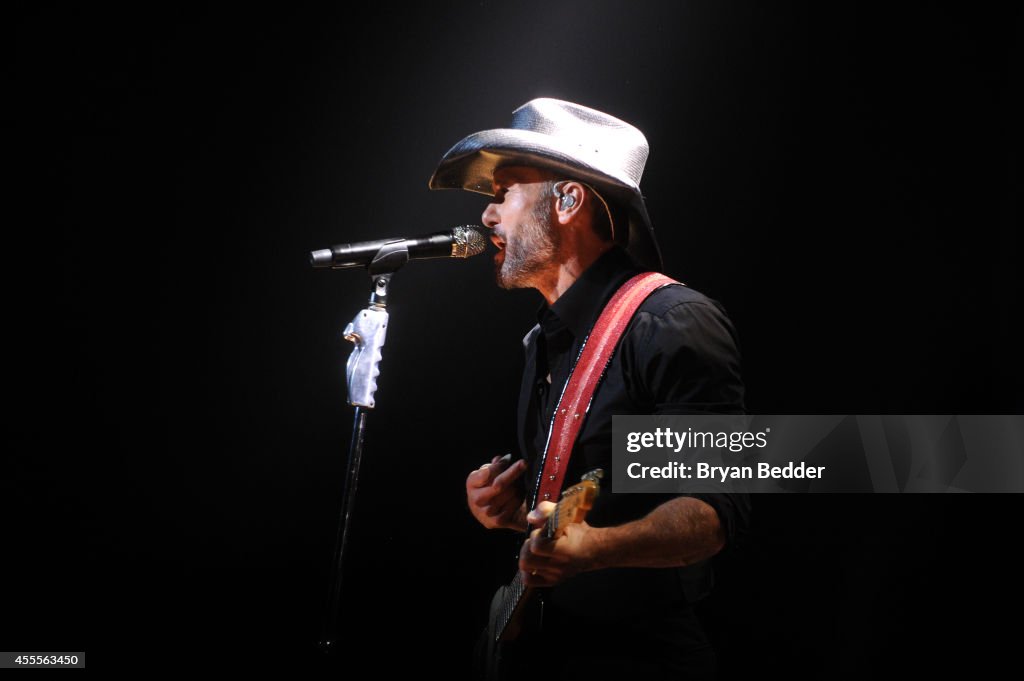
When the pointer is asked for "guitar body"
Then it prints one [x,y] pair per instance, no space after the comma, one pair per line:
[499,653]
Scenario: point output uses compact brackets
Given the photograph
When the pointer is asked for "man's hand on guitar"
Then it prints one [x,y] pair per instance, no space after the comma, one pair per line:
[494,498]
[546,562]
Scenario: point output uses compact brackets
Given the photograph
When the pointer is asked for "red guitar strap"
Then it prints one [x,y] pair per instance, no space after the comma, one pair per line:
[574,402]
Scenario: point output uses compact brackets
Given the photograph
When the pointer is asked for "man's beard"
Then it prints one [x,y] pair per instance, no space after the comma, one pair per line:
[529,252]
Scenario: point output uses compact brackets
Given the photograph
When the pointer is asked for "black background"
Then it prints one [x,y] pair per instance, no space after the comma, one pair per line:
[845,180]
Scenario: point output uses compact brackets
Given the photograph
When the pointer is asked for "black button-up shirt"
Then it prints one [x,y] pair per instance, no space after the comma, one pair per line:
[678,355]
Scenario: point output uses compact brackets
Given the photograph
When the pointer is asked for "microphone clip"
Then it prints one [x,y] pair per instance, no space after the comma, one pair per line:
[389,258]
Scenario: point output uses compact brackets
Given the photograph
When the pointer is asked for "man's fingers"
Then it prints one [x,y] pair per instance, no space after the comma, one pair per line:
[488,498]
[546,507]
[540,514]
[478,478]
[542,546]
[540,577]
[510,475]
[492,494]
[484,475]
[506,507]
[531,559]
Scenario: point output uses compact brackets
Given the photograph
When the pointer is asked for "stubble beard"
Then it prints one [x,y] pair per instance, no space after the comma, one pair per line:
[530,252]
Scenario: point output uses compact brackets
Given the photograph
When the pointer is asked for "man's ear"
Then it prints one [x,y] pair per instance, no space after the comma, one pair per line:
[570,201]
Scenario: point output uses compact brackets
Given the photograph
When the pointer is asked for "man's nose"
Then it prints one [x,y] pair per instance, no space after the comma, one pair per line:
[490,215]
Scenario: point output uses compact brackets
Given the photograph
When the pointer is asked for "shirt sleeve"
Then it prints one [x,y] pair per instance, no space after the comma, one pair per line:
[688,362]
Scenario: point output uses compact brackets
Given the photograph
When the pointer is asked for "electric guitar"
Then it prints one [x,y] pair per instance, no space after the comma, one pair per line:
[512,605]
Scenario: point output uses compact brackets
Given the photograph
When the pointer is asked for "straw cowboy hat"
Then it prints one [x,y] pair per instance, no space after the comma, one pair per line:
[584,144]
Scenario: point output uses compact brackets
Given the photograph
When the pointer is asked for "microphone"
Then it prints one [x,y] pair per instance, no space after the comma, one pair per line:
[460,242]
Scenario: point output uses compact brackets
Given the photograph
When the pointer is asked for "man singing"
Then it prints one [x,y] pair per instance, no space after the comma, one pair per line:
[569,220]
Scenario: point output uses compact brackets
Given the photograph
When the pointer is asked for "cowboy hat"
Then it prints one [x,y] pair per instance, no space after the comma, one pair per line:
[585,144]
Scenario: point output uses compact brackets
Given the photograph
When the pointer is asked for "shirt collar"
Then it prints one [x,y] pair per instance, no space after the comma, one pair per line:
[582,302]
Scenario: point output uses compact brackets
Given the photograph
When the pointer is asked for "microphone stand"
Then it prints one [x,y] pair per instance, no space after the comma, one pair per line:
[367,332]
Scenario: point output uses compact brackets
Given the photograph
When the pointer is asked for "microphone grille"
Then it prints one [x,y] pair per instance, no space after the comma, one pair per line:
[468,240]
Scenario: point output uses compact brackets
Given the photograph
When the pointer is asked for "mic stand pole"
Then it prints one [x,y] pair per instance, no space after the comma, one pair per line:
[367,332]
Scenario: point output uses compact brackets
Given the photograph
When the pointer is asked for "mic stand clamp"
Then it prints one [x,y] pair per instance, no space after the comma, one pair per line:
[367,332]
